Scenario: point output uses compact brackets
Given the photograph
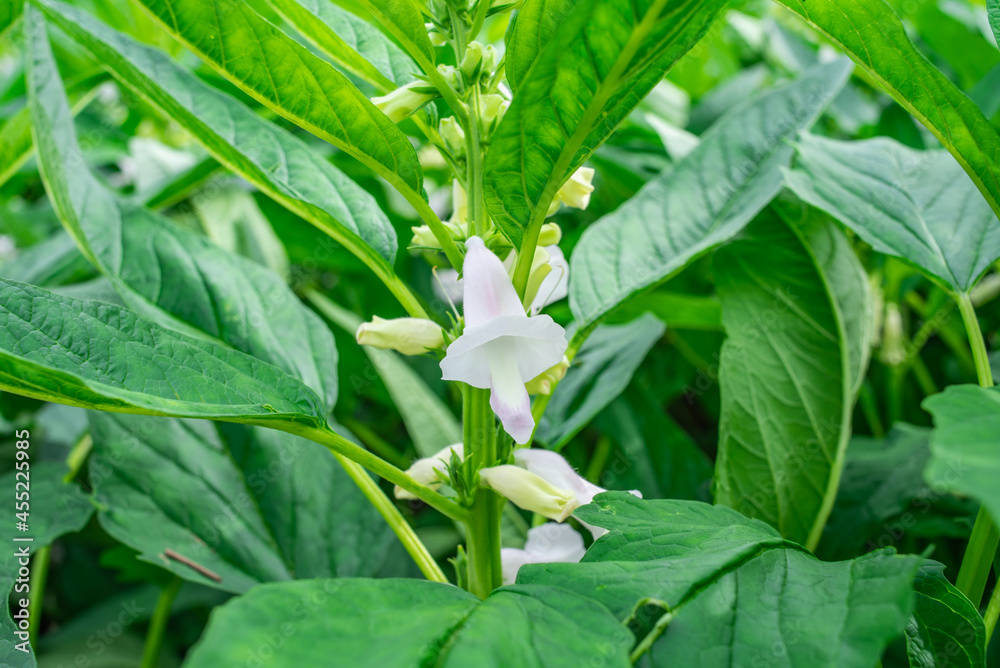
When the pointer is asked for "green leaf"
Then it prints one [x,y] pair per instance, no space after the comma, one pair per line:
[903,202]
[255,55]
[249,504]
[351,42]
[871,33]
[676,310]
[604,58]
[10,12]
[963,443]
[105,357]
[404,21]
[993,9]
[600,372]
[429,421]
[701,202]
[534,25]
[945,629]
[727,590]
[266,155]
[159,267]
[56,508]
[52,262]
[789,370]
[431,625]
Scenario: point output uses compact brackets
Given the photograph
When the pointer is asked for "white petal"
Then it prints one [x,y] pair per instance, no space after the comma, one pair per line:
[548,543]
[508,398]
[554,468]
[425,470]
[511,560]
[529,491]
[489,292]
[555,286]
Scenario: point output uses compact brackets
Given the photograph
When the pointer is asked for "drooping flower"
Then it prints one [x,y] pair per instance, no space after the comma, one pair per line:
[403,101]
[575,192]
[554,469]
[546,544]
[501,348]
[425,470]
[529,491]
[410,336]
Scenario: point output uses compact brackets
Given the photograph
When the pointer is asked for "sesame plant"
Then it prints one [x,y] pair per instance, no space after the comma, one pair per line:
[461,333]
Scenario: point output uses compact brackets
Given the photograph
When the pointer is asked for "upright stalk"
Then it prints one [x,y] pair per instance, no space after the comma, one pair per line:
[39,574]
[978,559]
[158,624]
[483,535]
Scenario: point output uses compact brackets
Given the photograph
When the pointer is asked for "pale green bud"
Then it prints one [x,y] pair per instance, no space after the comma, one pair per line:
[492,109]
[548,379]
[478,59]
[530,491]
[410,336]
[893,350]
[550,234]
[453,136]
[576,191]
[403,101]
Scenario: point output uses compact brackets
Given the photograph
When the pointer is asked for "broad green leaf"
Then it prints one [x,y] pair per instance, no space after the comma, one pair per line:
[964,48]
[56,508]
[871,33]
[917,205]
[604,58]
[403,20]
[159,267]
[52,262]
[10,12]
[269,157]
[535,23]
[726,590]
[351,42]
[675,309]
[101,356]
[600,372]
[255,55]
[727,95]
[249,504]
[963,443]
[431,624]
[788,370]
[945,629]
[701,202]
[993,9]
[660,459]
[428,420]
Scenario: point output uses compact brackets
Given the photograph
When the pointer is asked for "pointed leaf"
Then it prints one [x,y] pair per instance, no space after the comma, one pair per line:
[432,625]
[945,629]
[993,9]
[703,201]
[903,202]
[255,55]
[871,33]
[534,25]
[604,58]
[403,20]
[788,371]
[271,158]
[251,505]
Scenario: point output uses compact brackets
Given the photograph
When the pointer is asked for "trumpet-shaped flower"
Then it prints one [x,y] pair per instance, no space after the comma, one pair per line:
[548,543]
[410,336]
[425,470]
[555,470]
[501,348]
[529,491]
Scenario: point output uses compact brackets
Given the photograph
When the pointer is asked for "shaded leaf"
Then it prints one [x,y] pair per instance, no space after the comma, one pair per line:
[945,629]
[534,25]
[703,201]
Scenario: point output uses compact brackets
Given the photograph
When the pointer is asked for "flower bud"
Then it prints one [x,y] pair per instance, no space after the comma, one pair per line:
[459,206]
[545,382]
[576,191]
[550,234]
[453,136]
[424,238]
[430,158]
[403,101]
[478,59]
[425,471]
[410,336]
[492,109]
[529,491]
[540,268]
[893,351]
[450,75]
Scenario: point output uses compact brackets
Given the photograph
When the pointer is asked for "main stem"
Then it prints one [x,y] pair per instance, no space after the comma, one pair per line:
[158,624]
[483,527]
[985,537]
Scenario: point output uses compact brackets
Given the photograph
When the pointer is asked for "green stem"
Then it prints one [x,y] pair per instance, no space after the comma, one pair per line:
[387,509]
[978,559]
[375,443]
[866,399]
[992,612]
[483,527]
[341,446]
[448,244]
[39,573]
[661,624]
[158,624]
[78,455]
[598,459]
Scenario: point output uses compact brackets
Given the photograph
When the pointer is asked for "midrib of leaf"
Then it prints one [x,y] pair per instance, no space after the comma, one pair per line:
[576,140]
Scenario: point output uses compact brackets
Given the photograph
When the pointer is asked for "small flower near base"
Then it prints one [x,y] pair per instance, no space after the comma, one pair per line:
[426,470]
[529,491]
[547,544]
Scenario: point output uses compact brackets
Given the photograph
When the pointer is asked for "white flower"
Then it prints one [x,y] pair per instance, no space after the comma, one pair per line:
[548,543]
[529,491]
[403,101]
[554,469]
[410,336]
[575,192]
[425,471]
[555,285]
[501,347]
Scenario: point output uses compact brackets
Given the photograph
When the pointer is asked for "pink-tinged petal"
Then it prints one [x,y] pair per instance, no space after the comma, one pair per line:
[489,292]
[508,397]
